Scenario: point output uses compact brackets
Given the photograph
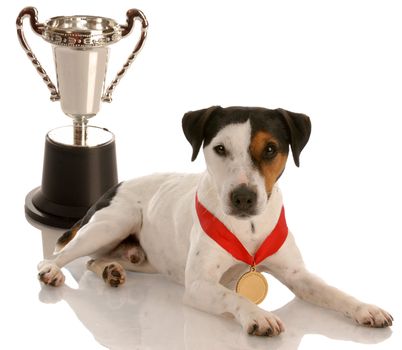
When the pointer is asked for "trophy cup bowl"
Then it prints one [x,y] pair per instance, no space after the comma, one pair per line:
[80,160]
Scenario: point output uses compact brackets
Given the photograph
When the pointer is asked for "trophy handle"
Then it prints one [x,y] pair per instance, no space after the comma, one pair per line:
[132,15]
[38,28]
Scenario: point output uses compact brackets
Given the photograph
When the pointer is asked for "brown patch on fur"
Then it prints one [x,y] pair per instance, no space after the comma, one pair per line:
[67,236]
[271,169]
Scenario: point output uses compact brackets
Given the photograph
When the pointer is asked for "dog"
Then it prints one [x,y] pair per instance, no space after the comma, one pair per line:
[150,224]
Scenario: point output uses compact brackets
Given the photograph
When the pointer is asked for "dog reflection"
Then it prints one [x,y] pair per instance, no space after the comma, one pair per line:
[148,313]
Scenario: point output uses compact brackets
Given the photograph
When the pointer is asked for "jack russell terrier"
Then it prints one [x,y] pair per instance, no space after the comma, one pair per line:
[199,230]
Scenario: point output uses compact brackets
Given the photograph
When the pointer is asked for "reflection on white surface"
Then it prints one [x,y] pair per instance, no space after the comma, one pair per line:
[337,61]
[148,313]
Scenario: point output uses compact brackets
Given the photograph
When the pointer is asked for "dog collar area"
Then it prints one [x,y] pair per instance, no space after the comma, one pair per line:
[252,284]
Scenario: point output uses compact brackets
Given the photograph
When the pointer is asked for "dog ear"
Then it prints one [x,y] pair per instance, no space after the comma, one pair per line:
[193,124]
[299,129]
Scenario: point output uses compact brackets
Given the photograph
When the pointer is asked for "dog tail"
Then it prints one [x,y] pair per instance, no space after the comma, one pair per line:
[67,236]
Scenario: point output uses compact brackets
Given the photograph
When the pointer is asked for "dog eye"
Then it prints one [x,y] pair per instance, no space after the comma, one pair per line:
[220,150]
[270,151]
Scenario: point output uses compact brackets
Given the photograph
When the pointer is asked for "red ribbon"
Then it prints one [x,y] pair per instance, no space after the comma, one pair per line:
[228,241]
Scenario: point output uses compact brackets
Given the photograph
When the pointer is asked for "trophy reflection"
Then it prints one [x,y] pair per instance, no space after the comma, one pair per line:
[80,160]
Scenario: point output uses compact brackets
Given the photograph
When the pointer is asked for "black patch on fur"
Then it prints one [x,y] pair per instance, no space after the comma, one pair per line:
[289,128]
[194,126]
[299,126]
[68,235]
[102,202]
[131,240]
[252,227]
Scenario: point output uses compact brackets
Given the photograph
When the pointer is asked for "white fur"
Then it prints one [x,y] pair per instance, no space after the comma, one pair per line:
[235,169]
[160,210]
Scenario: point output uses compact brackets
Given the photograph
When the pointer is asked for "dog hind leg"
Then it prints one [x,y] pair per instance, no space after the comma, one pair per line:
[130,249]
[113,270]
[110,270]
[106,229]
[127,255]
[131,256]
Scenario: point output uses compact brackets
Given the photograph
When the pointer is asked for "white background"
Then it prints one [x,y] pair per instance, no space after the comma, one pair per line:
[340,62]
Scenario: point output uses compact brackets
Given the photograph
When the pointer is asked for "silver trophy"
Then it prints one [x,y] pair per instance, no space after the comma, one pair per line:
[80,161]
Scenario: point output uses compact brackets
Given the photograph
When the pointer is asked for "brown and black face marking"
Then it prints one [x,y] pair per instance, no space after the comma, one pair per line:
[269,156]
[289,128]
[103,202]
[246,149]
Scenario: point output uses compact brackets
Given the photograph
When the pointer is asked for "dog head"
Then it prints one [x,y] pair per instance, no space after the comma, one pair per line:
[246,150]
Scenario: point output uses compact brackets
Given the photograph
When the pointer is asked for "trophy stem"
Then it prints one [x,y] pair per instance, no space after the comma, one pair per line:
[80,131]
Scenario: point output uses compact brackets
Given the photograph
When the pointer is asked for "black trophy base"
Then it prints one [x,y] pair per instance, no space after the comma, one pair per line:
[74,176]
[42,217]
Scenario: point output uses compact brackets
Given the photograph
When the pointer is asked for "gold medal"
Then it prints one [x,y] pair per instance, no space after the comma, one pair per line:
[253,286]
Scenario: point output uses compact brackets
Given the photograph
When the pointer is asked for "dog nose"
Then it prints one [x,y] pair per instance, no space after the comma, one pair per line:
[244,199]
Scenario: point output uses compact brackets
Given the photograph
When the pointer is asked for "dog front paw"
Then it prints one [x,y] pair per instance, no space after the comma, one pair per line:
[372,316]
[262,323]
[50,274]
